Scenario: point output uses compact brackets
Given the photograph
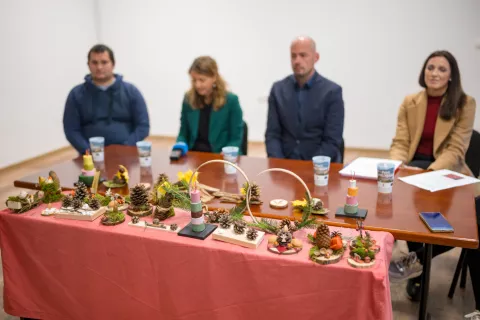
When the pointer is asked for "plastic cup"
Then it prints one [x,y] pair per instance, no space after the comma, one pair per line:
[230,154]
[97,146]
[385,176]
[145,153]
[321,167]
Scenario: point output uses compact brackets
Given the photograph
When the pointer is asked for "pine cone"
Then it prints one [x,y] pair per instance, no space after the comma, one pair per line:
[135,219]
[317,205]
[163,213]
[285,222]
[225,221]
[94,204]
[166,200]
[67,201]
[336,234]
[81,191]
[77,204]
[162,177]
[173,226]
[156,221]
[139,197]
[292,228]
[252,234]
[239,226]
[323,239]
[284,237]
[254,191]
[213,216]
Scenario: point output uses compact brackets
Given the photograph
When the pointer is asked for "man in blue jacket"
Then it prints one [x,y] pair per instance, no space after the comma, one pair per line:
[305,110]
[104,106]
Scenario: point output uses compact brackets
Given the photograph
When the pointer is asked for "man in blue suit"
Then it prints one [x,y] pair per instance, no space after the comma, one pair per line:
[305,110]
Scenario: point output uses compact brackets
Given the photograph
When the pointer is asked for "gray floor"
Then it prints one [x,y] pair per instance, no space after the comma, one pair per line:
[440,306]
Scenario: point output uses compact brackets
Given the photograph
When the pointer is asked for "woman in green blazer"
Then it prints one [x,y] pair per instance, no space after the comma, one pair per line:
[211,117]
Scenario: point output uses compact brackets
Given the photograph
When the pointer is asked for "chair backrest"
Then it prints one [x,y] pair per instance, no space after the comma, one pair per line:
[245,139]
[472,157]
[342,151]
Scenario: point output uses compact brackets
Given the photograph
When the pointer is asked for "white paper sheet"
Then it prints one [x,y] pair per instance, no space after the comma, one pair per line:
[439,180]
[366,167]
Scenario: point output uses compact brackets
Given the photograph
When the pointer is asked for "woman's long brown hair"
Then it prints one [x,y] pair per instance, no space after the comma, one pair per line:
[455,98]
[207,66]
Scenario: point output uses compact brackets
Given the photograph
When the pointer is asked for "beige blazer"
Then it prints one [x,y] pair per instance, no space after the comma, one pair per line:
[451,138]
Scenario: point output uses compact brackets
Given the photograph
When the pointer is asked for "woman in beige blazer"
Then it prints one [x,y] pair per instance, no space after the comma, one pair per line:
[447,132]
[434,127]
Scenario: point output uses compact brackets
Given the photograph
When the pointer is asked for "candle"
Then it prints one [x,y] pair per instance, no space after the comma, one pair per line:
[195,196]
[197,220]
[88,161]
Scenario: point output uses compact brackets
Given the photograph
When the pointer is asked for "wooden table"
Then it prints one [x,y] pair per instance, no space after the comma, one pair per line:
[397,214]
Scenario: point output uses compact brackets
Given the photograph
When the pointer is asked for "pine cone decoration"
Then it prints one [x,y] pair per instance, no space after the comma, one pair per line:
[213,216]
[254,191]
[225,221]
[166,200]
[173,226]
[317,205]
[135,219]
[94,204]
[239,226]
[322,238]
[336,234]
[252,234]
[67,202]
[292,228]
[139,197]
[285,222]
[162,177]
[77,204]
[284,237]
[81,191]
[163,213]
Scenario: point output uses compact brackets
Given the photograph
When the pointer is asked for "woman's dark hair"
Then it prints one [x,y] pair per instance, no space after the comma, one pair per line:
[455,98]
[100,48]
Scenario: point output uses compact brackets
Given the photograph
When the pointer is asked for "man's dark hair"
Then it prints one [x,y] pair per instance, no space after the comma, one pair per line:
[455,98]
[100,48]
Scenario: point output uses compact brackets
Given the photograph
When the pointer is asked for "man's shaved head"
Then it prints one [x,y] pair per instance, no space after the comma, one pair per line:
[305,40]
[303,55]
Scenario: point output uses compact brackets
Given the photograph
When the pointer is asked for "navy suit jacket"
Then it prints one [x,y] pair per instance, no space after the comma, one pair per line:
[321,129]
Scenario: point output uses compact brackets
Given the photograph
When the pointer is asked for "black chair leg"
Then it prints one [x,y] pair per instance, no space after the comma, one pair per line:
[463,278]
[460,267]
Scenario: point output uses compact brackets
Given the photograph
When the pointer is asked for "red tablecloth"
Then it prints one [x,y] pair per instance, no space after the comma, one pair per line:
[65,269]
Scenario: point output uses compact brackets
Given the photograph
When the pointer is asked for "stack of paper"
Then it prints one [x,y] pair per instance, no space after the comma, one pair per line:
[366,167]
[439,180]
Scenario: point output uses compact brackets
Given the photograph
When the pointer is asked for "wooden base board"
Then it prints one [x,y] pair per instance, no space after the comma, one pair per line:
[187,231]
[332,260]
[142,224]
[364,265]
[273,249]
[76,216]
[228,235]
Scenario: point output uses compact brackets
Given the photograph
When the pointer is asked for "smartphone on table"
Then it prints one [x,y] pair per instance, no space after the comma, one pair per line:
[436,222]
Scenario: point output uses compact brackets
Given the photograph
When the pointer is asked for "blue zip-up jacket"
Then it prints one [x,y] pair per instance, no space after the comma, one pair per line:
[119,114]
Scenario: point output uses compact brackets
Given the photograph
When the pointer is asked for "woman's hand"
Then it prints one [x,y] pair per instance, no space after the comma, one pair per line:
[412,168]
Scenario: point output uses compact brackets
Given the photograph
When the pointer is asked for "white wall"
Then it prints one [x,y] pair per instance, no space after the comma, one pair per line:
[43,55]
[374,49]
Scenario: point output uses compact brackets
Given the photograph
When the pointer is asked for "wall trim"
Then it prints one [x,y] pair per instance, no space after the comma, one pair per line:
[29,161]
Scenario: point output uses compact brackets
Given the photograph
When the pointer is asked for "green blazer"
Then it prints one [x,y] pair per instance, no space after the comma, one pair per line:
[225,126]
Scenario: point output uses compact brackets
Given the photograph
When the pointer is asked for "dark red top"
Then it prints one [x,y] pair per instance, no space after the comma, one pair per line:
[425,146]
